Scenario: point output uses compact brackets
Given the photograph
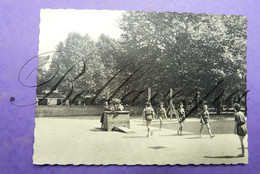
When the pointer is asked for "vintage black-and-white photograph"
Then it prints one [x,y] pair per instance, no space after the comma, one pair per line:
[141,88]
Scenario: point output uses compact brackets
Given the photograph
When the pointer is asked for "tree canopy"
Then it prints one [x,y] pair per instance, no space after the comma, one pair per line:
[161,50]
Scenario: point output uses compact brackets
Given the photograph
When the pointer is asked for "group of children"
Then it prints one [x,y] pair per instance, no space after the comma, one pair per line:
[240,121]
[148,114]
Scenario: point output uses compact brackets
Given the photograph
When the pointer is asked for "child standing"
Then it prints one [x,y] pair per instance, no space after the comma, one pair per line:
[106,108]
[181,113]
[240,127]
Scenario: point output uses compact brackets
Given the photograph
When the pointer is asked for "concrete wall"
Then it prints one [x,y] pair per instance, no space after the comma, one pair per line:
[49,111]
[55,110]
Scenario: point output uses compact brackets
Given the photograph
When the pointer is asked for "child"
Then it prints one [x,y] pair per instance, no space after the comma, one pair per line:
[106,108]
[119,107]
[161,114]
[240,127]
[148,114]
[181,113]
[204,119]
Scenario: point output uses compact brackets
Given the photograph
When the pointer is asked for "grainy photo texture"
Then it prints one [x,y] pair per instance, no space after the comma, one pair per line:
[146,88]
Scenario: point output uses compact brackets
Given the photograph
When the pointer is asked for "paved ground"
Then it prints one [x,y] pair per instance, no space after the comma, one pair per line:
[80,141]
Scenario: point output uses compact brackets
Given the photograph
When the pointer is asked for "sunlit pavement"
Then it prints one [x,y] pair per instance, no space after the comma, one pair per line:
[80,141]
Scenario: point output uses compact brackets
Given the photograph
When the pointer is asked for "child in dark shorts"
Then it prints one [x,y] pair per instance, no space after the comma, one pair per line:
[148,114]
[240,127]
[204,119]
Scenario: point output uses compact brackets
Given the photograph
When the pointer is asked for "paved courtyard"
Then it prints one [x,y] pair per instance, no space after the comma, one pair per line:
[79,140]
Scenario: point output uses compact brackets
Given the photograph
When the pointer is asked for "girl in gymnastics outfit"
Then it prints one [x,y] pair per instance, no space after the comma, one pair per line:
[148,114]
[161,114]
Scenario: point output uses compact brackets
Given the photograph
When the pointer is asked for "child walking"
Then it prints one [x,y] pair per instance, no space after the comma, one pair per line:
[161,114]
[205,119]
[148,114]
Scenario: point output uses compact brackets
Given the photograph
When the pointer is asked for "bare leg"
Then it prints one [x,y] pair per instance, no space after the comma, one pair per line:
[160,123]
[201,128]
[181,128]
[148,128]
[209,130]
[179,132]
[241,138]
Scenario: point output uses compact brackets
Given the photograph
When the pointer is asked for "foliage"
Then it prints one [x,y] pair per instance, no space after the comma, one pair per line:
[162,50]
[187,51]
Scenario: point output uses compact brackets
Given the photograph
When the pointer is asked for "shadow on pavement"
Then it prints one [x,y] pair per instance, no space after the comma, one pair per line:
[193,138]
[176,135]
[97,129]
[226,156]
[134,137]
[170,135]
[157,147]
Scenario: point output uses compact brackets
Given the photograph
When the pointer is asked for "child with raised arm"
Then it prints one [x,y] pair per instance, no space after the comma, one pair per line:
[240,127]
[181,113]
[148,114]
[161,112]
[205,119]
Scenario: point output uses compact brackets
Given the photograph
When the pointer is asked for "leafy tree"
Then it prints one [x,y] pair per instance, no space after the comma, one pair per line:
[186,51]
[77,56]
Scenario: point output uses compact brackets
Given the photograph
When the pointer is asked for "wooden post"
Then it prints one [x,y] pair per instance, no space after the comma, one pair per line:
[246,99]
[170,95]
[170,103]
[149,95]
[246,104]
[232,101]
